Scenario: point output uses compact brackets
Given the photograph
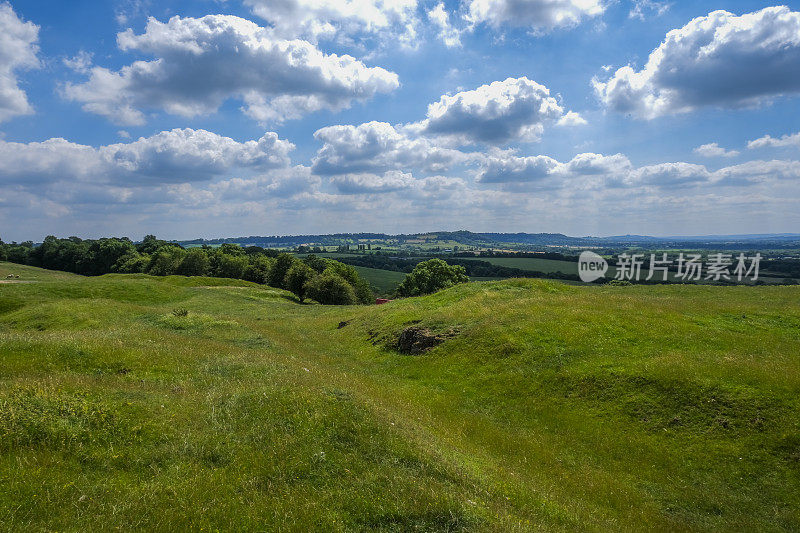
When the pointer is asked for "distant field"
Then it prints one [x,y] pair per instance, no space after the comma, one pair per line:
[385,281]
[534,264]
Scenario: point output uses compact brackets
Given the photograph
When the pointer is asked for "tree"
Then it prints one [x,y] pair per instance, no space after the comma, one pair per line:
[149,245]
[431,276]
[282,265]
[231,249]
[195,263]
[360,286]
[330,289]
[133,263]
[316,262]
[259,269]
[297,277]
[231,266]
[165,261]
[103,254]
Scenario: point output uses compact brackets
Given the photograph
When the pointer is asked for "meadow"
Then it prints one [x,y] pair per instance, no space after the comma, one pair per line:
[384,282]
[169,403]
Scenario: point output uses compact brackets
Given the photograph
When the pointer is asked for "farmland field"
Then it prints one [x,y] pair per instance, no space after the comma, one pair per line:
[384,281]
[547,407]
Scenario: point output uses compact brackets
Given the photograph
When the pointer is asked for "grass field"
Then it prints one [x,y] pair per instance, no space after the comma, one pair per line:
[549,407]
[384,281]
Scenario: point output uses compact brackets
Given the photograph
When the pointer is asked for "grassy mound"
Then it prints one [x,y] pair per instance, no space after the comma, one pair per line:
[540,406]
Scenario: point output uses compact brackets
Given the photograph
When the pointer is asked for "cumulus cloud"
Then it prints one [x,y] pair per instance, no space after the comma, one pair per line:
[202,62]
[18,49]
[591,164]
[344,20]
[669,175]
[440,18]
[641,8]
[279,183]
[538,15]
[517,169]
[177,156]
[376,147]
[768,141]
[753,172]
[714,150]
[391,181]
[515,109]
[598,172]
[80,63]
[719,60]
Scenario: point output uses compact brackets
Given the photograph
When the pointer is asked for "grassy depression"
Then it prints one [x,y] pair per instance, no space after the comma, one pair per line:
[547,407]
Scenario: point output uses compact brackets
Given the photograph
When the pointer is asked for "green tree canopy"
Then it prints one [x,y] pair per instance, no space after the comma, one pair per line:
[431,276]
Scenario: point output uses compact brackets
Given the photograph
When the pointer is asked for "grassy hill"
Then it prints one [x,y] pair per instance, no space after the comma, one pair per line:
[546,407]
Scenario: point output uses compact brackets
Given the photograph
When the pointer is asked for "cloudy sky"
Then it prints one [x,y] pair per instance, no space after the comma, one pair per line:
[190,118]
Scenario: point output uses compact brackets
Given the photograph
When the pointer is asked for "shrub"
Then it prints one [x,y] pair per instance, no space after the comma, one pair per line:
[133,263]
[259,269]
[281,267]
[431,276]
[196,263]
[231,266]
[330,289]
[360,286]
[165,262]
[297,277]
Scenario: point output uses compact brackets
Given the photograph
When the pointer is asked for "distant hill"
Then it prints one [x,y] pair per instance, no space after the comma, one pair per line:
[469,238]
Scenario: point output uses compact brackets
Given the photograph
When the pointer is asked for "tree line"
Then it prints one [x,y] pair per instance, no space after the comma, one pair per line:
[323,280]
[472,267]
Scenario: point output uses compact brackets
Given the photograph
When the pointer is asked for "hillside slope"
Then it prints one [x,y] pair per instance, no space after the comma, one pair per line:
[546,407]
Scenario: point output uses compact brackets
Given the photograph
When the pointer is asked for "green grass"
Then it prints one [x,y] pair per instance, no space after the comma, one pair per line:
[384,281]
[555,408]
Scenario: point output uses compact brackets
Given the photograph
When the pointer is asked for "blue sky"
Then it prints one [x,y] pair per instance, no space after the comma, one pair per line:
[254,117]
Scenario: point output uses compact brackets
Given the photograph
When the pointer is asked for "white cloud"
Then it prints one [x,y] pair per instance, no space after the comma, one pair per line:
[353,20]
[768,141]
[592,171]
[571,118]
[515,169]
[753,172]
[515,109]
[203,62]
[669,175]
[175,156]
[280,183]
[538,15]
[440,18]
[714,150]
[376,147]
[18,49]
[640,8]
[591,164]
[80,63]
[391,181]
[719,60]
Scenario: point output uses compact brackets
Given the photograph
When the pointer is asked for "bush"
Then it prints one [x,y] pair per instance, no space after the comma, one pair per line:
[431,276]
[259,269]
[297,277]
[281,267]
[329,288]
[165,262]
[231,266]
[133,263]
[196,263]
[360,286]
